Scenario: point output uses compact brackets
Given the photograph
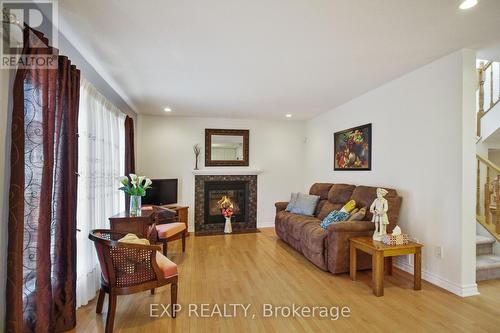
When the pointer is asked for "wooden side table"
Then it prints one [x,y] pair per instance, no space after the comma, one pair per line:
[125,223]
[380,253]
[139,225]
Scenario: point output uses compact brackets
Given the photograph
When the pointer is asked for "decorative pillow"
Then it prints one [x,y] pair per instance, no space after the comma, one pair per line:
[305,204]
[348,207]
[133,239]
[358,216]
[333,217]
[293,200]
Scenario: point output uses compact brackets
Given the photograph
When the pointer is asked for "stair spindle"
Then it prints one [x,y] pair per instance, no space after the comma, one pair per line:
[487,194]
[480,113]
[496,188]
[478,188]
[491,87]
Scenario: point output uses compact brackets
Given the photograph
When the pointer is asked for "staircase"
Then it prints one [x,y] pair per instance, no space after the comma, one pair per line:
[487,263]
[488,96]
[488,173]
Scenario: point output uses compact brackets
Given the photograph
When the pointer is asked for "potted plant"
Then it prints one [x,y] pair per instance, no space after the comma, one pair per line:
[136,188]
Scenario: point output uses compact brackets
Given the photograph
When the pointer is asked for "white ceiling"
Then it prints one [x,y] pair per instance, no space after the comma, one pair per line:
[263,59]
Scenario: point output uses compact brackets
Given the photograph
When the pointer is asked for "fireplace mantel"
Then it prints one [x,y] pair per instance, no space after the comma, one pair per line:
[227,171]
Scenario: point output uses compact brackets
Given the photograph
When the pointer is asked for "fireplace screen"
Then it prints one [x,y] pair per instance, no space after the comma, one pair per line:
[237,192]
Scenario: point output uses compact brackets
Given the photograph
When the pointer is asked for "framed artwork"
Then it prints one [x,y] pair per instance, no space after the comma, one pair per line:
[353,149]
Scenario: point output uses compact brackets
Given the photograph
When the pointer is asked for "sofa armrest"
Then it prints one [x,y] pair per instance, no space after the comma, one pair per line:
[280,206]
[338,244]
[352,226]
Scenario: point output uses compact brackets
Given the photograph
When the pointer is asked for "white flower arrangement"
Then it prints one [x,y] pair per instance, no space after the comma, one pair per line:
[137,185]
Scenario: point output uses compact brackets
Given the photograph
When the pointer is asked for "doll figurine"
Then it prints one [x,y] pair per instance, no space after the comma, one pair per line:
[379,209]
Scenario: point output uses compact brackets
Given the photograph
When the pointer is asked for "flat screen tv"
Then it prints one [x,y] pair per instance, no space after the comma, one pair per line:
[162,192]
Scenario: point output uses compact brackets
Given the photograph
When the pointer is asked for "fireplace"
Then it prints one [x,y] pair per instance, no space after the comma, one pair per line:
[236,191]
[240,189]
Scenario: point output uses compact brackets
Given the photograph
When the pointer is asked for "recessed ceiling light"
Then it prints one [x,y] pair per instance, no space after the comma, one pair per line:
[466,4]
[288,115]
[167,109]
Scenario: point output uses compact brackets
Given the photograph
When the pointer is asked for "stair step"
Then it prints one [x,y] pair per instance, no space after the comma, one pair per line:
[487,267]
[480,240]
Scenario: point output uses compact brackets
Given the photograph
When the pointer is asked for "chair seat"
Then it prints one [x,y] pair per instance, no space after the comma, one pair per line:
[170,229]
[168,267]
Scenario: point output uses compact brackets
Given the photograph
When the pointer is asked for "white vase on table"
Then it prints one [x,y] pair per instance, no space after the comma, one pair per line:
[227,227]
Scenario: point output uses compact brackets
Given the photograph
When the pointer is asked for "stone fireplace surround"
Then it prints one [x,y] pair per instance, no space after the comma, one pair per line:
[203,176]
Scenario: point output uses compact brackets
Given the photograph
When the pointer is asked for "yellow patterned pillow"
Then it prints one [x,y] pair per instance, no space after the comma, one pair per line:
[348,207]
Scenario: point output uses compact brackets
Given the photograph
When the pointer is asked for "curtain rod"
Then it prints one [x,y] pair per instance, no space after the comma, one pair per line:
[11,19]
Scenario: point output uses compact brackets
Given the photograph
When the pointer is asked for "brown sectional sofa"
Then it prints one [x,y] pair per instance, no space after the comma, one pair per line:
[329,249]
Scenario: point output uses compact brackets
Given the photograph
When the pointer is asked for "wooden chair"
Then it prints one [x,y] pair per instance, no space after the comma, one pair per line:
[167,228]
[129,269]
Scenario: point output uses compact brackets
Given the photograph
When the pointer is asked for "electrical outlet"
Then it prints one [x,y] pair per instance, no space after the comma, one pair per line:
[438,252]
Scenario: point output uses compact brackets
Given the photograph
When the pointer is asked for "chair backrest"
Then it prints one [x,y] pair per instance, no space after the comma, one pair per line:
[103,241]
[163,215]
[124,264]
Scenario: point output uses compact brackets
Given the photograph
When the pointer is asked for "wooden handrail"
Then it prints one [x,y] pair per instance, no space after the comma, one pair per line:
[487,65]
[488,163]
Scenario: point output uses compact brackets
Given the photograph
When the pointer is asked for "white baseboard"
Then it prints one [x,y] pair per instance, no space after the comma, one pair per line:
[457,289]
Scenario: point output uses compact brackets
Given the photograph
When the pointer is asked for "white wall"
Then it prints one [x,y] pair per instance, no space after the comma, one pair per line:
[165,150]
[423,146]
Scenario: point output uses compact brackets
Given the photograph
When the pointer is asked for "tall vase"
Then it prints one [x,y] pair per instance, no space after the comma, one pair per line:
[135,205]
[196,164]
[227,227]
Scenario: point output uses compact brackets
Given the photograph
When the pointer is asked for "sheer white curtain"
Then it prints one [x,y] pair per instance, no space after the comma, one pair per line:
[101,159]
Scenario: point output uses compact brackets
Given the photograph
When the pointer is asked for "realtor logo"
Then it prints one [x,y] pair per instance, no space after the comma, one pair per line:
[40,15]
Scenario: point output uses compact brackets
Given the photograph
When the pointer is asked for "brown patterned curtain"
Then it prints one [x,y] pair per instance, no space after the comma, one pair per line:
[41,268]
[129,146]
[129,152]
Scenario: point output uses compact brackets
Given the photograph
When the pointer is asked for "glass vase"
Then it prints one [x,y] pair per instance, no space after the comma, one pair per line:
[135,205]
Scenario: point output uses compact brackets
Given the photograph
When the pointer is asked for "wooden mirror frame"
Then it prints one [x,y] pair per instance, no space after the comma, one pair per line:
[233,132]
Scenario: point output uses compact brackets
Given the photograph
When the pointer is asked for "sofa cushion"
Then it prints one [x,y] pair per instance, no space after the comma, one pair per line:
[293,224]
[167,267]
[321,189]
[170,229]
[305,204]
[313,244]
[340,193]
[327,208]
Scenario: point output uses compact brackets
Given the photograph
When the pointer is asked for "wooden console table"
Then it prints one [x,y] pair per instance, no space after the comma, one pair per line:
[125,223]
[380,253]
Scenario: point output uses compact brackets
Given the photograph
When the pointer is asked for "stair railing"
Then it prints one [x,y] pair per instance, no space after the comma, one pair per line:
[486,70]
[488,205]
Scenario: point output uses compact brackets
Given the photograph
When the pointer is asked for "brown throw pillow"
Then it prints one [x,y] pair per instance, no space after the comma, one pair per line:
[358,216]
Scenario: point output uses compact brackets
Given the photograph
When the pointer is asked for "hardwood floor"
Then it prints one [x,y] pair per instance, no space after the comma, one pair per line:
[258,268]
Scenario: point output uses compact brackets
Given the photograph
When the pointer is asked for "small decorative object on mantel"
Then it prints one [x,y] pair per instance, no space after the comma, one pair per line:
[196,150]
[136,188]
[353,149]
[379,210]
[397,238]
[227,209]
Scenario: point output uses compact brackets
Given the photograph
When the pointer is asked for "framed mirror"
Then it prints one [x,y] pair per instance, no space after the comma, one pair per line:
[226,147]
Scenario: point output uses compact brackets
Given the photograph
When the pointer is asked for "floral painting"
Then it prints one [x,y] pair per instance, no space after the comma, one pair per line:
[353,148]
